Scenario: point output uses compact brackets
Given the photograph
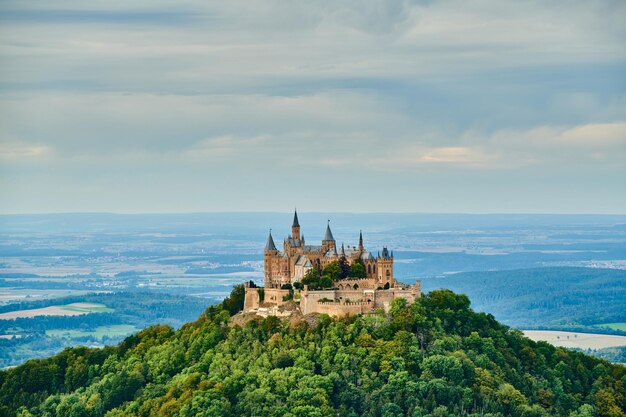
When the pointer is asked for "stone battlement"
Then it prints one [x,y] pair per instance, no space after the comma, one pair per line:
[375,288]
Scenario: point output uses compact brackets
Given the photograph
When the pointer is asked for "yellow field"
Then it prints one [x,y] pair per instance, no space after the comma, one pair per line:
[575,339]
[74,309]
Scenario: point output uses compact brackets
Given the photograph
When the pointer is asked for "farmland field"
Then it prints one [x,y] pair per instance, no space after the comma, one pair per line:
[614,326]
[98,332]
[576,339]
[10,295]
[73,309]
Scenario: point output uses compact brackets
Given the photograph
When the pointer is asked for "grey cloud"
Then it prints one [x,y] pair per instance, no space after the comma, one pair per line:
[103,98]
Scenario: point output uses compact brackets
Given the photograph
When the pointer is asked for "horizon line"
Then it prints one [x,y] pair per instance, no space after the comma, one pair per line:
[131,213]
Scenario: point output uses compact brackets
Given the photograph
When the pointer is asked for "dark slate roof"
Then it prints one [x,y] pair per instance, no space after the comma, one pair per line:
[270,243]
[328,235]
[295,219]
[312,248]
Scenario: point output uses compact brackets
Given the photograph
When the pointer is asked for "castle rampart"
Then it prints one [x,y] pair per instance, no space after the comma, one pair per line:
[283,271]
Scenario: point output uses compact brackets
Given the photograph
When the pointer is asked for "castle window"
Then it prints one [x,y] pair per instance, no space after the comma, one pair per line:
[388,273]
[369,269]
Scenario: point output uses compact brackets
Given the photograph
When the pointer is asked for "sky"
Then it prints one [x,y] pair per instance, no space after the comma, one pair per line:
[346,106]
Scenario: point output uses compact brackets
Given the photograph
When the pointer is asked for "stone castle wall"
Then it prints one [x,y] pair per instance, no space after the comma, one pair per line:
[353,301]
[271,296]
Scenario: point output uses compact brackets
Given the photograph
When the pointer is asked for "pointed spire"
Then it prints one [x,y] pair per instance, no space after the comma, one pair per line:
[295,228]
[270,242]
[328,235]
[343,251]
[361,239]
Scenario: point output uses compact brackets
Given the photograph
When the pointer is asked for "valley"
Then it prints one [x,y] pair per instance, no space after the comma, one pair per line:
[560,273]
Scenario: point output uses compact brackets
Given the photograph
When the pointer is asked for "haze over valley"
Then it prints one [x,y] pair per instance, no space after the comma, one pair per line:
[531,271]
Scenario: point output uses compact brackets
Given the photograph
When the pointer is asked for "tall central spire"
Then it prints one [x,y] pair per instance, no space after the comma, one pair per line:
[360,239]
[295,226]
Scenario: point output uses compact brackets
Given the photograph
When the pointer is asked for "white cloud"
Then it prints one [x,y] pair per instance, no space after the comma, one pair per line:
[15,152]
[603,134]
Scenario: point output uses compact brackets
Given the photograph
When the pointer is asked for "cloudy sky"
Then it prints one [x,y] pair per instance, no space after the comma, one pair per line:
[422,106]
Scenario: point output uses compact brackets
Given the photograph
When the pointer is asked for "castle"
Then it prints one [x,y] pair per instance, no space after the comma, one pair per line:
[289,273]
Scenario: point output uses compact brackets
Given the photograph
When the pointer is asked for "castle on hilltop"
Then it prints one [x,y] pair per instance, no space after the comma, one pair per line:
[324,278]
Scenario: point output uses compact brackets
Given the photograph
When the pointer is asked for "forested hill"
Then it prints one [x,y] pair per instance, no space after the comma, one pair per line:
[435,357]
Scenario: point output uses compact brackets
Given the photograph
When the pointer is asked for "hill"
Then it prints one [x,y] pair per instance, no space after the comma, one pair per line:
[435,357]
[559,298]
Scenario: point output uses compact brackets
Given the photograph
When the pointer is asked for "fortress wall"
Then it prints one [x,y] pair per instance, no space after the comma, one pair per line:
[338,310]
[309,300]
[349,301]
[364,283]
[273,296]
[252,299]
[385,297]
[354,295]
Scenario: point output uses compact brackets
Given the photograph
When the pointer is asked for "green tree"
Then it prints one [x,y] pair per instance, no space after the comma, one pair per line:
[333,270]
[326,281]
[234,303]
[312,278]
[345,266]
[357,269]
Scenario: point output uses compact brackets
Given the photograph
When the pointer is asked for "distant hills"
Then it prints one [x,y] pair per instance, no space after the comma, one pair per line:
[557,298]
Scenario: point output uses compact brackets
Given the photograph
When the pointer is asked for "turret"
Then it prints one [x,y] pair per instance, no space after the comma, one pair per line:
[268,257]
[270,246]
[295,227]
[361,249]
[329,241]
[384,266]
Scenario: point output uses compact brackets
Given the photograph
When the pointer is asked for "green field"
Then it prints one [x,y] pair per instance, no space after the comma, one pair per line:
[94,308]
[98,332]
[614,326]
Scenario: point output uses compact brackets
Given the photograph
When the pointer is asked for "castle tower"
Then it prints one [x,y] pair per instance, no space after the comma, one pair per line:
[268,257]
[329,241]
[384,265]
[295,227]
[361,248]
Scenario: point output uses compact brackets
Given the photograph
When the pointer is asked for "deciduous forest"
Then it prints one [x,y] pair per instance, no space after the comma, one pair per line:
[435,357]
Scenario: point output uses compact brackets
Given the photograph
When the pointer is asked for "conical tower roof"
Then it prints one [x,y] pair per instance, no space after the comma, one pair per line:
[295,219]
[270,242]
[328,235]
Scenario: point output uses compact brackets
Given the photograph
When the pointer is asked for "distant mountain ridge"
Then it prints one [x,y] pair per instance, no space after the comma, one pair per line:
[435,357]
